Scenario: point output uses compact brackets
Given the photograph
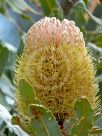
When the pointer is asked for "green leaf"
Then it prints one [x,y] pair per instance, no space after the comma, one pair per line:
[98,40]
[24,16]
[44,122]
[85,116]
[1,1]
[100,63]
[99,70]
[10,47]
[99,81]
[51,8]
[96,131]
[2,10]
[6,92]
[21,45]
[3,101]
[82,5]
[27,93]
[11,55]
[24,123]
[20,6]
[5,115]
[86,2]
[4,53]
[79,20]
[96,51]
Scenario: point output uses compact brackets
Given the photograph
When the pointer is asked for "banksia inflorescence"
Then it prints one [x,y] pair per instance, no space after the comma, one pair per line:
[56,63]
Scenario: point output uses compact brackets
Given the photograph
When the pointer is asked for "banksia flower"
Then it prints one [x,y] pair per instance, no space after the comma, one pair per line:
[56,63]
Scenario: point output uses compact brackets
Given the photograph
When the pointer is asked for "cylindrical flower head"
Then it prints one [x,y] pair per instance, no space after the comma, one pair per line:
[57,65]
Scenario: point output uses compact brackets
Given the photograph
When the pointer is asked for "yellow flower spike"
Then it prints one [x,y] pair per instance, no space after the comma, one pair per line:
[56,62]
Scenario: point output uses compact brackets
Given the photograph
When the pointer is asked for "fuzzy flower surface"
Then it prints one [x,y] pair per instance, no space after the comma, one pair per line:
[56,63]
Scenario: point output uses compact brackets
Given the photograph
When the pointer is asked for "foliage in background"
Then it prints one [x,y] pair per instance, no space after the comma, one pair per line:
[16,16]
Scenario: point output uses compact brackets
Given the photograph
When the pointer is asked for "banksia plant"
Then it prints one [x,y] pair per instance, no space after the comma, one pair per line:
[58,66]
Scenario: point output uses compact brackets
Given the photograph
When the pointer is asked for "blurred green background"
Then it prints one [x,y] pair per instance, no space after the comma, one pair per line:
[16,17]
